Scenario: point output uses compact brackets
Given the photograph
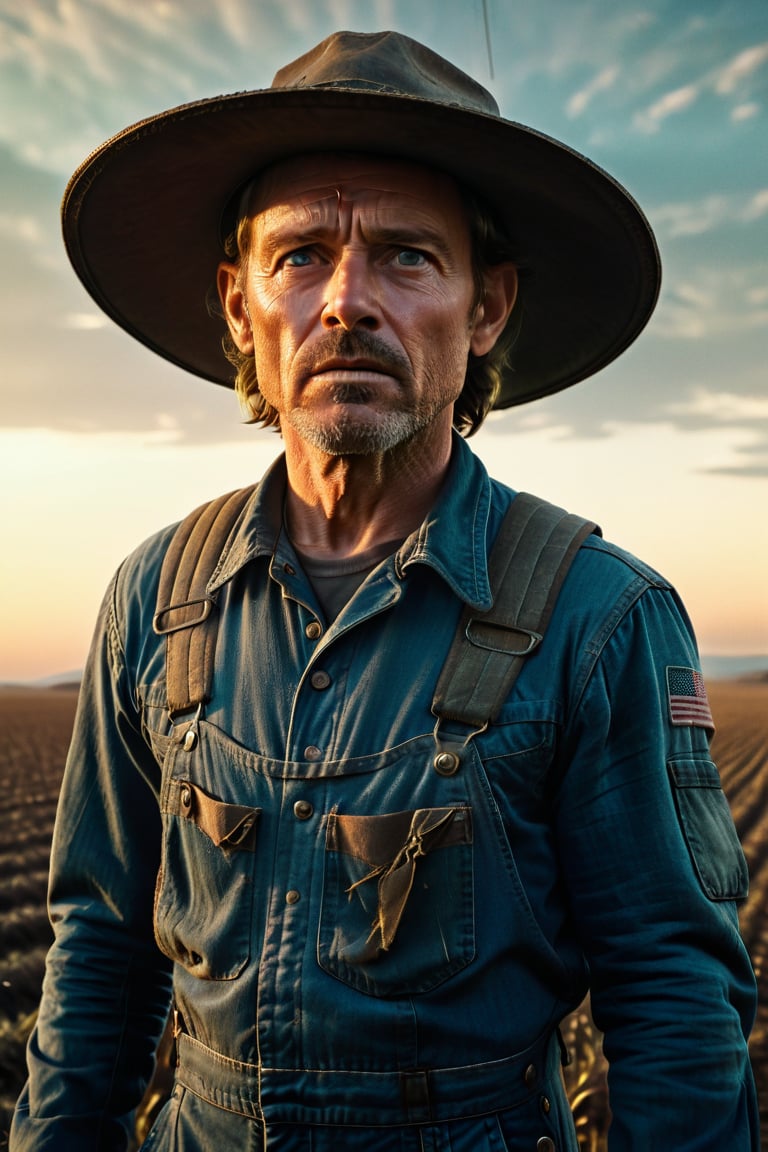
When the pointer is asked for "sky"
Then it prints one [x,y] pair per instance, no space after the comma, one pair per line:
[101,442]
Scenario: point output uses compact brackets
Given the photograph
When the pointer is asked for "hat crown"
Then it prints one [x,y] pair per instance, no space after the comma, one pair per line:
[385,62]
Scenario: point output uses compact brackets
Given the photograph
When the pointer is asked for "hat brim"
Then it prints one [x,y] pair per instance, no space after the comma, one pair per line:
[141,220]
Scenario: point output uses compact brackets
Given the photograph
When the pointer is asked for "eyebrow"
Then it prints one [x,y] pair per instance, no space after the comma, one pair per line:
[407,235]
[412,236]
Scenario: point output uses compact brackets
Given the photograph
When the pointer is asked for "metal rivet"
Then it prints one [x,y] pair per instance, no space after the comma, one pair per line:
[545,1105]
[186,797]
[292,896]
[190,739]
[545,1144]
[320,680]
[312,752]
[447,763]
[313,630]
[302,809]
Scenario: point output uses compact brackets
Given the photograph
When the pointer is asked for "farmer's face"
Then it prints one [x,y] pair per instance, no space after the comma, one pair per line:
[357,299]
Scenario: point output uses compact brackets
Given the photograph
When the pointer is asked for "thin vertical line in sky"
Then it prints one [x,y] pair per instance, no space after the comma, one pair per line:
[488,37]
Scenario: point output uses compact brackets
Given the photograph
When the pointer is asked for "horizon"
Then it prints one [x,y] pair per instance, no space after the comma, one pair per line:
[714,668]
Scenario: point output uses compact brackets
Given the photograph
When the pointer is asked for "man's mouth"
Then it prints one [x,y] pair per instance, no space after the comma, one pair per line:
[353,381]
[354,366]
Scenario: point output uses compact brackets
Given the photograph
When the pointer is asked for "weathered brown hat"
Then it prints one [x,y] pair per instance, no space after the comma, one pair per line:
[142,216]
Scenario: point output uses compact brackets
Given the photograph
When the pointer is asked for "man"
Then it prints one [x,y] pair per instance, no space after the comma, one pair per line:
[372,912]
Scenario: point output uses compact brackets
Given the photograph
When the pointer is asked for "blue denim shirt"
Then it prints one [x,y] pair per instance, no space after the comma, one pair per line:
[584,842]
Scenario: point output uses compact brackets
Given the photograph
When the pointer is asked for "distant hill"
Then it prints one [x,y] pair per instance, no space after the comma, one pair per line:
[61,680]
[735,667]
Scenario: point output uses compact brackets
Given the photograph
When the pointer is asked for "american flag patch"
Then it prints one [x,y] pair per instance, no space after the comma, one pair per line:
[688,703]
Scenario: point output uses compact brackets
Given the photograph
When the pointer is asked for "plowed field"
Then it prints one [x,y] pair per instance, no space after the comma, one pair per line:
[35,726]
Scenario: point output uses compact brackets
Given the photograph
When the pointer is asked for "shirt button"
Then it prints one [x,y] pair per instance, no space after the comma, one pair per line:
[531,1076]
[292,896]
[312,752]
[313,630]
[320,680]
[302,809]
[545,1144]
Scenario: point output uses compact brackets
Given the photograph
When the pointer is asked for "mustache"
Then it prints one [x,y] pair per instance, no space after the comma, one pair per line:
[352,345]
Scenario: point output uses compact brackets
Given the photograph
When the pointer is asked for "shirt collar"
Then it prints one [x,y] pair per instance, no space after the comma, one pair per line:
[452,538]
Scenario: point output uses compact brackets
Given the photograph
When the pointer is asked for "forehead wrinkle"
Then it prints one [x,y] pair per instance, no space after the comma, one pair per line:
[310,218]
[289,183]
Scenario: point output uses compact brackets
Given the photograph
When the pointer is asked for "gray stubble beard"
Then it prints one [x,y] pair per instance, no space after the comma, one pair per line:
[348,437]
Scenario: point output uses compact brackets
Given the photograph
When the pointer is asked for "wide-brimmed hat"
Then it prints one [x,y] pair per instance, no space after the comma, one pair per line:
[143,215]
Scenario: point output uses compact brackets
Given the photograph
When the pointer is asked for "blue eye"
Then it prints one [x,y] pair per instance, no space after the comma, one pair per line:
[298,259]
[410,257]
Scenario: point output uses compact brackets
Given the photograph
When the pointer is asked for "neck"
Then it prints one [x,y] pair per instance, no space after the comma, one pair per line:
[341,505]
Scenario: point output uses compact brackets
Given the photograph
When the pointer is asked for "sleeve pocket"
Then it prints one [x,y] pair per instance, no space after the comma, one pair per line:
[708,827]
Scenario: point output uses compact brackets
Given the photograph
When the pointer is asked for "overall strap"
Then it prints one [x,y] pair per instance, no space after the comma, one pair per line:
[531,555]
[186,612]
[528,564]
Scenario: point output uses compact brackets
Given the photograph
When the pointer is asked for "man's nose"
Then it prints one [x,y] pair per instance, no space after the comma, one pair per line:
[351,300]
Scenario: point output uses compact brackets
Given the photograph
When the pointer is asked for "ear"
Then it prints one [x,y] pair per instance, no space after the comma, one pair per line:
[234,304]
[494,310]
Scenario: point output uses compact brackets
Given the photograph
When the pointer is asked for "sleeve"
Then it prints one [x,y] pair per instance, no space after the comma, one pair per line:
[654,867]
[107,987]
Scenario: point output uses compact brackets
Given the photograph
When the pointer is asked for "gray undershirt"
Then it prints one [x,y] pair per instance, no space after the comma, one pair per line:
[336,581]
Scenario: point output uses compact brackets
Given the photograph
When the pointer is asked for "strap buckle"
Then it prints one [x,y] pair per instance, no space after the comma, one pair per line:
[482,635]
[163,623]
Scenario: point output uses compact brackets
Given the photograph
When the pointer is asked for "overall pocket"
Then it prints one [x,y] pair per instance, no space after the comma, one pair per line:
[204,895]
[397,914]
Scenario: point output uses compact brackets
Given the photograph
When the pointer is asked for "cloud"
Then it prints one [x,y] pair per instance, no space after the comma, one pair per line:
[714,302]
[757,206]
[692,217]
[746,471]
[669,104]
[696,217]
[751,458]
[726,80]
[579,101]
[758,296]
[740,68]
[744,112]
[26,228]
[75,73]
[723,407]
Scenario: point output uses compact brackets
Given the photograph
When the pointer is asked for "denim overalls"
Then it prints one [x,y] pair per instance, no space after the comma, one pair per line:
[369,952]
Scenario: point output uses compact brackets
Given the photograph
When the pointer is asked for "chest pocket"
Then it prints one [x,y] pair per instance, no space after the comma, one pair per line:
[397,905]
[204,895]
